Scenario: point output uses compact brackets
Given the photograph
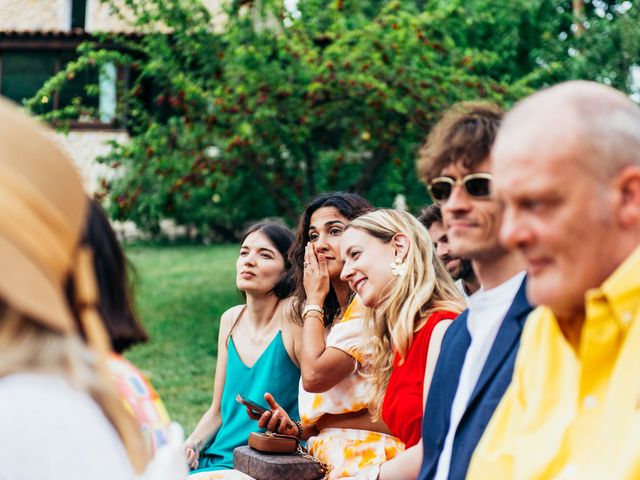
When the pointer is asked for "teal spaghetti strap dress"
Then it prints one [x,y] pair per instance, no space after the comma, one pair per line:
[273,372]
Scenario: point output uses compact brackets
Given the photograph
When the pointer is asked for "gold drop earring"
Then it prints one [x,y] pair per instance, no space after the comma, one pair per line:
[398,267]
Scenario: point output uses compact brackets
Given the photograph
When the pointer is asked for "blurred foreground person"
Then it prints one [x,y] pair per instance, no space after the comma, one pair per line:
[567,164]
[115,305]
[479,349]
[60,417]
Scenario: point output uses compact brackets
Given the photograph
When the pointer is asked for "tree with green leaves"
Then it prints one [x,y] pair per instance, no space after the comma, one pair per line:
[250,120]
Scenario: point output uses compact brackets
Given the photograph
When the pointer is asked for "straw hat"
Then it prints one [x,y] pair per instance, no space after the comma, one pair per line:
[42,214]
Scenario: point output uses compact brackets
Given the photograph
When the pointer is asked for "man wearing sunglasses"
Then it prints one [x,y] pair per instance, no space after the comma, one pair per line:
[572,208]
[476,360]
[459,268]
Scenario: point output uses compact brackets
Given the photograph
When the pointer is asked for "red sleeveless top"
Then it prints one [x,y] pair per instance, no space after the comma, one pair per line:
[402,407]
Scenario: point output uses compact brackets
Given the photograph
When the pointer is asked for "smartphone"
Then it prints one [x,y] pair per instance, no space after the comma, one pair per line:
[253,406]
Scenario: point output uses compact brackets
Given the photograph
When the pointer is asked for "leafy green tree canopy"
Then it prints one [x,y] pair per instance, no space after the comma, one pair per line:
[231,124]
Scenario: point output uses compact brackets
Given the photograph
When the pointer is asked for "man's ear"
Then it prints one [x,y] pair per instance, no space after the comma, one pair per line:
[400,244]
[627,188]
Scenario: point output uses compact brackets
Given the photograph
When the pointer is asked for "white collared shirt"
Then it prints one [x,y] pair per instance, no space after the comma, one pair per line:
[486,312]
[463,290]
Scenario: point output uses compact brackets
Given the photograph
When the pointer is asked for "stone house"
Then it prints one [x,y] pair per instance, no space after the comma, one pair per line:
[37,38]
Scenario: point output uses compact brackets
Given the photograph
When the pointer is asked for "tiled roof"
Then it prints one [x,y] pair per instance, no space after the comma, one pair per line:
[49,38]
[75,33]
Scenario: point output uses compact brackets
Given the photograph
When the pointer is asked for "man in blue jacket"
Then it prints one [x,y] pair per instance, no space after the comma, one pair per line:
[478,351]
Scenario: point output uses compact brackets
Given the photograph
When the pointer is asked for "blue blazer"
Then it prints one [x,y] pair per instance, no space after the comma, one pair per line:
[494,379]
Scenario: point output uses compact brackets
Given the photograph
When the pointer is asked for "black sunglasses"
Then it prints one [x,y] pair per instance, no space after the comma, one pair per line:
[477,185]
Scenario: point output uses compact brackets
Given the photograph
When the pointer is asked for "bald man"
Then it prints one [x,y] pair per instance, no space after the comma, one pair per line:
[567,166]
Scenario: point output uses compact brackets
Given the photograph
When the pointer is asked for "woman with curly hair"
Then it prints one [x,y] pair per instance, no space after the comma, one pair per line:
[334,395]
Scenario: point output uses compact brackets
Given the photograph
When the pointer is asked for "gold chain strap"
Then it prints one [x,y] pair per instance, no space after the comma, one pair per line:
[326,468]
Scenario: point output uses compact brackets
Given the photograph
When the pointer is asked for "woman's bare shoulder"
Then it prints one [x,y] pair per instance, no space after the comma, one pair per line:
[229,317]
[285,311]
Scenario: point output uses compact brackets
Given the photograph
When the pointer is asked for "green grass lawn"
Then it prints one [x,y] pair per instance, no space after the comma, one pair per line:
[181,294]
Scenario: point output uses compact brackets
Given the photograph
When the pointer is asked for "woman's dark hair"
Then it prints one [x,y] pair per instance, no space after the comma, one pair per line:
[116,304]
[281,238]
[350,205]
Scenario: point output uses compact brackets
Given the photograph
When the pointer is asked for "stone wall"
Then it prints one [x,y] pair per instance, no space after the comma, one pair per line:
[100,18]
[55,15]
[33,15]
[84,147]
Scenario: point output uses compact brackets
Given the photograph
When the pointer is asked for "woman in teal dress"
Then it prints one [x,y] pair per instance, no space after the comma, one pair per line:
[258,350]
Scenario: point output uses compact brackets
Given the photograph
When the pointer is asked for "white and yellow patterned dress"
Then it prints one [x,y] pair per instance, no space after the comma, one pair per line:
[346,450]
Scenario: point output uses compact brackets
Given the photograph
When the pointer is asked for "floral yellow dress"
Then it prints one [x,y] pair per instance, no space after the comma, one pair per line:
[141,400]
[347,451]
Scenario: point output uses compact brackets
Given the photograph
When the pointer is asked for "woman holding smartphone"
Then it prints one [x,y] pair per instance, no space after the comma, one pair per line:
[334,395]
[258,350]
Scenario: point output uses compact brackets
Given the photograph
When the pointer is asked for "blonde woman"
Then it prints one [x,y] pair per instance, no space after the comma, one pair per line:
[410,299]
[60,416]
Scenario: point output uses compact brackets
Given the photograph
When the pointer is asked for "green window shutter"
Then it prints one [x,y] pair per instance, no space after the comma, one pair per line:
[24,73]
[78,13]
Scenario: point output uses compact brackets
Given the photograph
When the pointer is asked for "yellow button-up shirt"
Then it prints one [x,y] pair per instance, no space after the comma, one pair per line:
[571,414]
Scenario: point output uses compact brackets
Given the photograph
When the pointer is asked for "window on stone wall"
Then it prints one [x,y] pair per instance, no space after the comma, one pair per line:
[78,13]
[74,87]
[23,72]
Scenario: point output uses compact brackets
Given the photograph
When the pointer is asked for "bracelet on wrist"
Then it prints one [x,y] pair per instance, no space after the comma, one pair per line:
[313,314]
[312,308]
[299,425]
